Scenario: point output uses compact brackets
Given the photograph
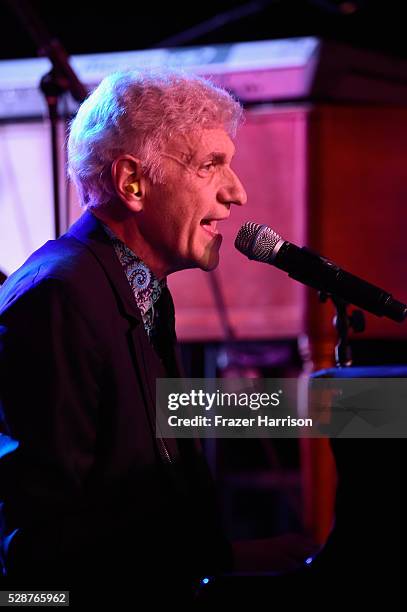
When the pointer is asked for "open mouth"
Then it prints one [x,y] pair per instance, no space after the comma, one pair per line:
[209,225]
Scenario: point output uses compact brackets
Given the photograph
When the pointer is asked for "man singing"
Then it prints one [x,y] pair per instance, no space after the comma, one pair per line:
[89,493]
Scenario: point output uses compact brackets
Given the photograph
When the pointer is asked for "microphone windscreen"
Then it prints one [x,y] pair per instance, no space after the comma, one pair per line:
[256,241]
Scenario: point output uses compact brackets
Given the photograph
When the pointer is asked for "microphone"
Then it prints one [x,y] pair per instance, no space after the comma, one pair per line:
[261,243]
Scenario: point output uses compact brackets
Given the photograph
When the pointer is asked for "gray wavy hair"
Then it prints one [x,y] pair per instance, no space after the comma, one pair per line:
[138,113]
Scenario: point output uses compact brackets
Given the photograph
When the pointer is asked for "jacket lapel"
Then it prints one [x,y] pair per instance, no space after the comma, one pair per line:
[90,232]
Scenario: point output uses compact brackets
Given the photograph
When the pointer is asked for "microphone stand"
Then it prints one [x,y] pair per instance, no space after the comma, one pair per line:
[221,307]
[58,81]
[343,322]
[211,357]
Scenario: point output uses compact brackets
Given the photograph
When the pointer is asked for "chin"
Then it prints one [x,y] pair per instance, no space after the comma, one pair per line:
[210,257]
[210,264]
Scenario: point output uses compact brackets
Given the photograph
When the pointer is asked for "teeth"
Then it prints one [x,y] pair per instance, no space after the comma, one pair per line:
[211,222]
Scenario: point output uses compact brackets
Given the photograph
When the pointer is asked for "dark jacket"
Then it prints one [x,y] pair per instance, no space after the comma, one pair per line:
[85,484]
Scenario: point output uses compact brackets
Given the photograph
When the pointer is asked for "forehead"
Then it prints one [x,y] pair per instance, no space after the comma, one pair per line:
[203,142]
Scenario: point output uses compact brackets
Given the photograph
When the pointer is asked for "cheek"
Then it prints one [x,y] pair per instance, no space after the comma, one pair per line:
[181,208]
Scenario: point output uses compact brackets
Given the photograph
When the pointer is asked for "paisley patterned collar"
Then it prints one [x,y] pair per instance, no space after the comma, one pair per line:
[145,286]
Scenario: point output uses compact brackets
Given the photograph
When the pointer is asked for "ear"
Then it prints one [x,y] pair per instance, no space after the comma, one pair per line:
[128,181]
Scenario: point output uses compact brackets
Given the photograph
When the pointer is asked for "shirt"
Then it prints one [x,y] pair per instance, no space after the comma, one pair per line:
[146,287]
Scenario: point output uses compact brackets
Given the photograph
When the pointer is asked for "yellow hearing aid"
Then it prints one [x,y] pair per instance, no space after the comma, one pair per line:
[133,188]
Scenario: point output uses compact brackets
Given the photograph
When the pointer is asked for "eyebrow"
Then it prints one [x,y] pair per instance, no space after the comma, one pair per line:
[218,156]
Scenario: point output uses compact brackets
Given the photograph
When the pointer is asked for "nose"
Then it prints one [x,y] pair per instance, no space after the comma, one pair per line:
[232,190]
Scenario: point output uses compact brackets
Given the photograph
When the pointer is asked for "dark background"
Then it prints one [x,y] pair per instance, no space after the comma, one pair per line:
[93,27]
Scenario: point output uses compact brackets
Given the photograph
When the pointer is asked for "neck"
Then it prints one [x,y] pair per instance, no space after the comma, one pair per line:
[127,230]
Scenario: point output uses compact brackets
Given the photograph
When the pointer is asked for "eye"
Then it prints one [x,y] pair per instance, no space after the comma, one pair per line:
[207,167]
